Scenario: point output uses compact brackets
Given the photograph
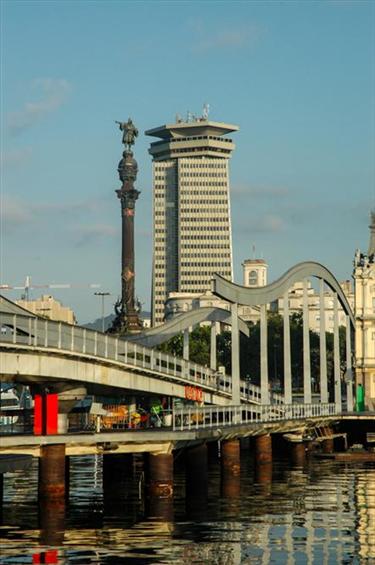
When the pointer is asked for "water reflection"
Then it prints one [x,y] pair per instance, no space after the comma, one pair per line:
[321,513]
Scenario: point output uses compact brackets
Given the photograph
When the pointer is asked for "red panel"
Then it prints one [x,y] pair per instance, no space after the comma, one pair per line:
[51,413]
[38,414]
[36,558]
[50,556]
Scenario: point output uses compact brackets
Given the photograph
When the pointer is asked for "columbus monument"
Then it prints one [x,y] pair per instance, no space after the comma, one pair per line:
[127,311]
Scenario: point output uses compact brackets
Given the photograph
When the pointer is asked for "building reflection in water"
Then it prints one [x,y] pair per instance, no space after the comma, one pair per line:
[322,514]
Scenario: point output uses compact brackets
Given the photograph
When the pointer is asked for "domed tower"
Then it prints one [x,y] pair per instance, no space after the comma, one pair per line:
[364,310]
[254,272]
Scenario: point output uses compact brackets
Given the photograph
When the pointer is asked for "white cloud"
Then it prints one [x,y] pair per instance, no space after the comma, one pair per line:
[14,212]
[229,38]
[52,94]
[15,157]
[89,233]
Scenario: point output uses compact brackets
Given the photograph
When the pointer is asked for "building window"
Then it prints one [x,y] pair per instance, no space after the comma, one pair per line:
[253,278]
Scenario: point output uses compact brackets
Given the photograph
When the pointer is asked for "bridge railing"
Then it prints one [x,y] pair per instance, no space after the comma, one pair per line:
[40,333]
[192,418]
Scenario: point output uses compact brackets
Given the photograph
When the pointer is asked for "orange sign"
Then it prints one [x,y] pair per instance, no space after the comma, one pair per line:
[194,393]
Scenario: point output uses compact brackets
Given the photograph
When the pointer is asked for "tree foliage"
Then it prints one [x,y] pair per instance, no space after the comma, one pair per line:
[199,347]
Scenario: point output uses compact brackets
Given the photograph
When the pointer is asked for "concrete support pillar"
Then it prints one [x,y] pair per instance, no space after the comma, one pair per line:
[306,347]
[263,461]
[328,445]
[213,359]
[323,346]
[235,349]
[287,363]
[336,352]
[185,352]
[52,472]
[298,453]
[196,468]
[62,423]
[264,390]
[159,484]
[263,449]
[349,368]
[230,468]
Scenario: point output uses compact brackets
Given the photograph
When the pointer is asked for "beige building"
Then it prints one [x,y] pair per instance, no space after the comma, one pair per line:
[48,307]
[364,311]
[296,303]
[192,229]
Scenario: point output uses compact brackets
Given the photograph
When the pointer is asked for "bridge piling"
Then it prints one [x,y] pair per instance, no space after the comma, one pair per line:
[52,472]
[230,468]
[159,485]
[263,449]
[298,453]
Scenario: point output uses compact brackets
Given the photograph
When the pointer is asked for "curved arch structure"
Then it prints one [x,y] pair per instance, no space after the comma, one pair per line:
[237,294]
[255,296]
[161,334]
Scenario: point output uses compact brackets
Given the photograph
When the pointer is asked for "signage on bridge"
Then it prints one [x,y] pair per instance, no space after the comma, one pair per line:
[194,393]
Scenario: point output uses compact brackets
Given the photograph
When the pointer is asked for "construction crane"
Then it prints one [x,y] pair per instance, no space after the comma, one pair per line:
[28,286]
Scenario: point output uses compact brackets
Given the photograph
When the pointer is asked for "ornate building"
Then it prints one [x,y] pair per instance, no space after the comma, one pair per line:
[364,310]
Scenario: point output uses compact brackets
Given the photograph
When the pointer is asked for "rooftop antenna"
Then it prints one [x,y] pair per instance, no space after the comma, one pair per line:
[253,251]
[206,111]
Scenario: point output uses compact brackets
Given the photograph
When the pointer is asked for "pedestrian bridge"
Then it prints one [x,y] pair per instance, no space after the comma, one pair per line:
[35,350]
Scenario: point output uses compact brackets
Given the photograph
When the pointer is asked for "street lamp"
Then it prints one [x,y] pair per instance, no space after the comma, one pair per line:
[102,294]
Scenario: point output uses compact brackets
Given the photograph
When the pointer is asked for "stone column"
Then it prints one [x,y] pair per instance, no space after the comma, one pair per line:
[230,468]
[306,347]
[264,391]
[235,348]
[323,347]
[287,365]
[336,352]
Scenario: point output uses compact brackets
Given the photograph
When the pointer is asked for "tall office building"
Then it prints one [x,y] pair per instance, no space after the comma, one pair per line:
[192,237]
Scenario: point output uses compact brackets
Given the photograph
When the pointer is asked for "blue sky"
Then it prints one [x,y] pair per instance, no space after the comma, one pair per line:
[297,77]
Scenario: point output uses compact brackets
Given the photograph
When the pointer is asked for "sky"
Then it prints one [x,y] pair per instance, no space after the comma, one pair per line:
[297,77]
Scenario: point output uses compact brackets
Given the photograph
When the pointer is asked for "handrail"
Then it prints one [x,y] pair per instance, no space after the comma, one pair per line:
[196,418]
[49,334]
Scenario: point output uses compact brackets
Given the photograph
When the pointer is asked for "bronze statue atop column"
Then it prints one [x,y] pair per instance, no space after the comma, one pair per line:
[127,311]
